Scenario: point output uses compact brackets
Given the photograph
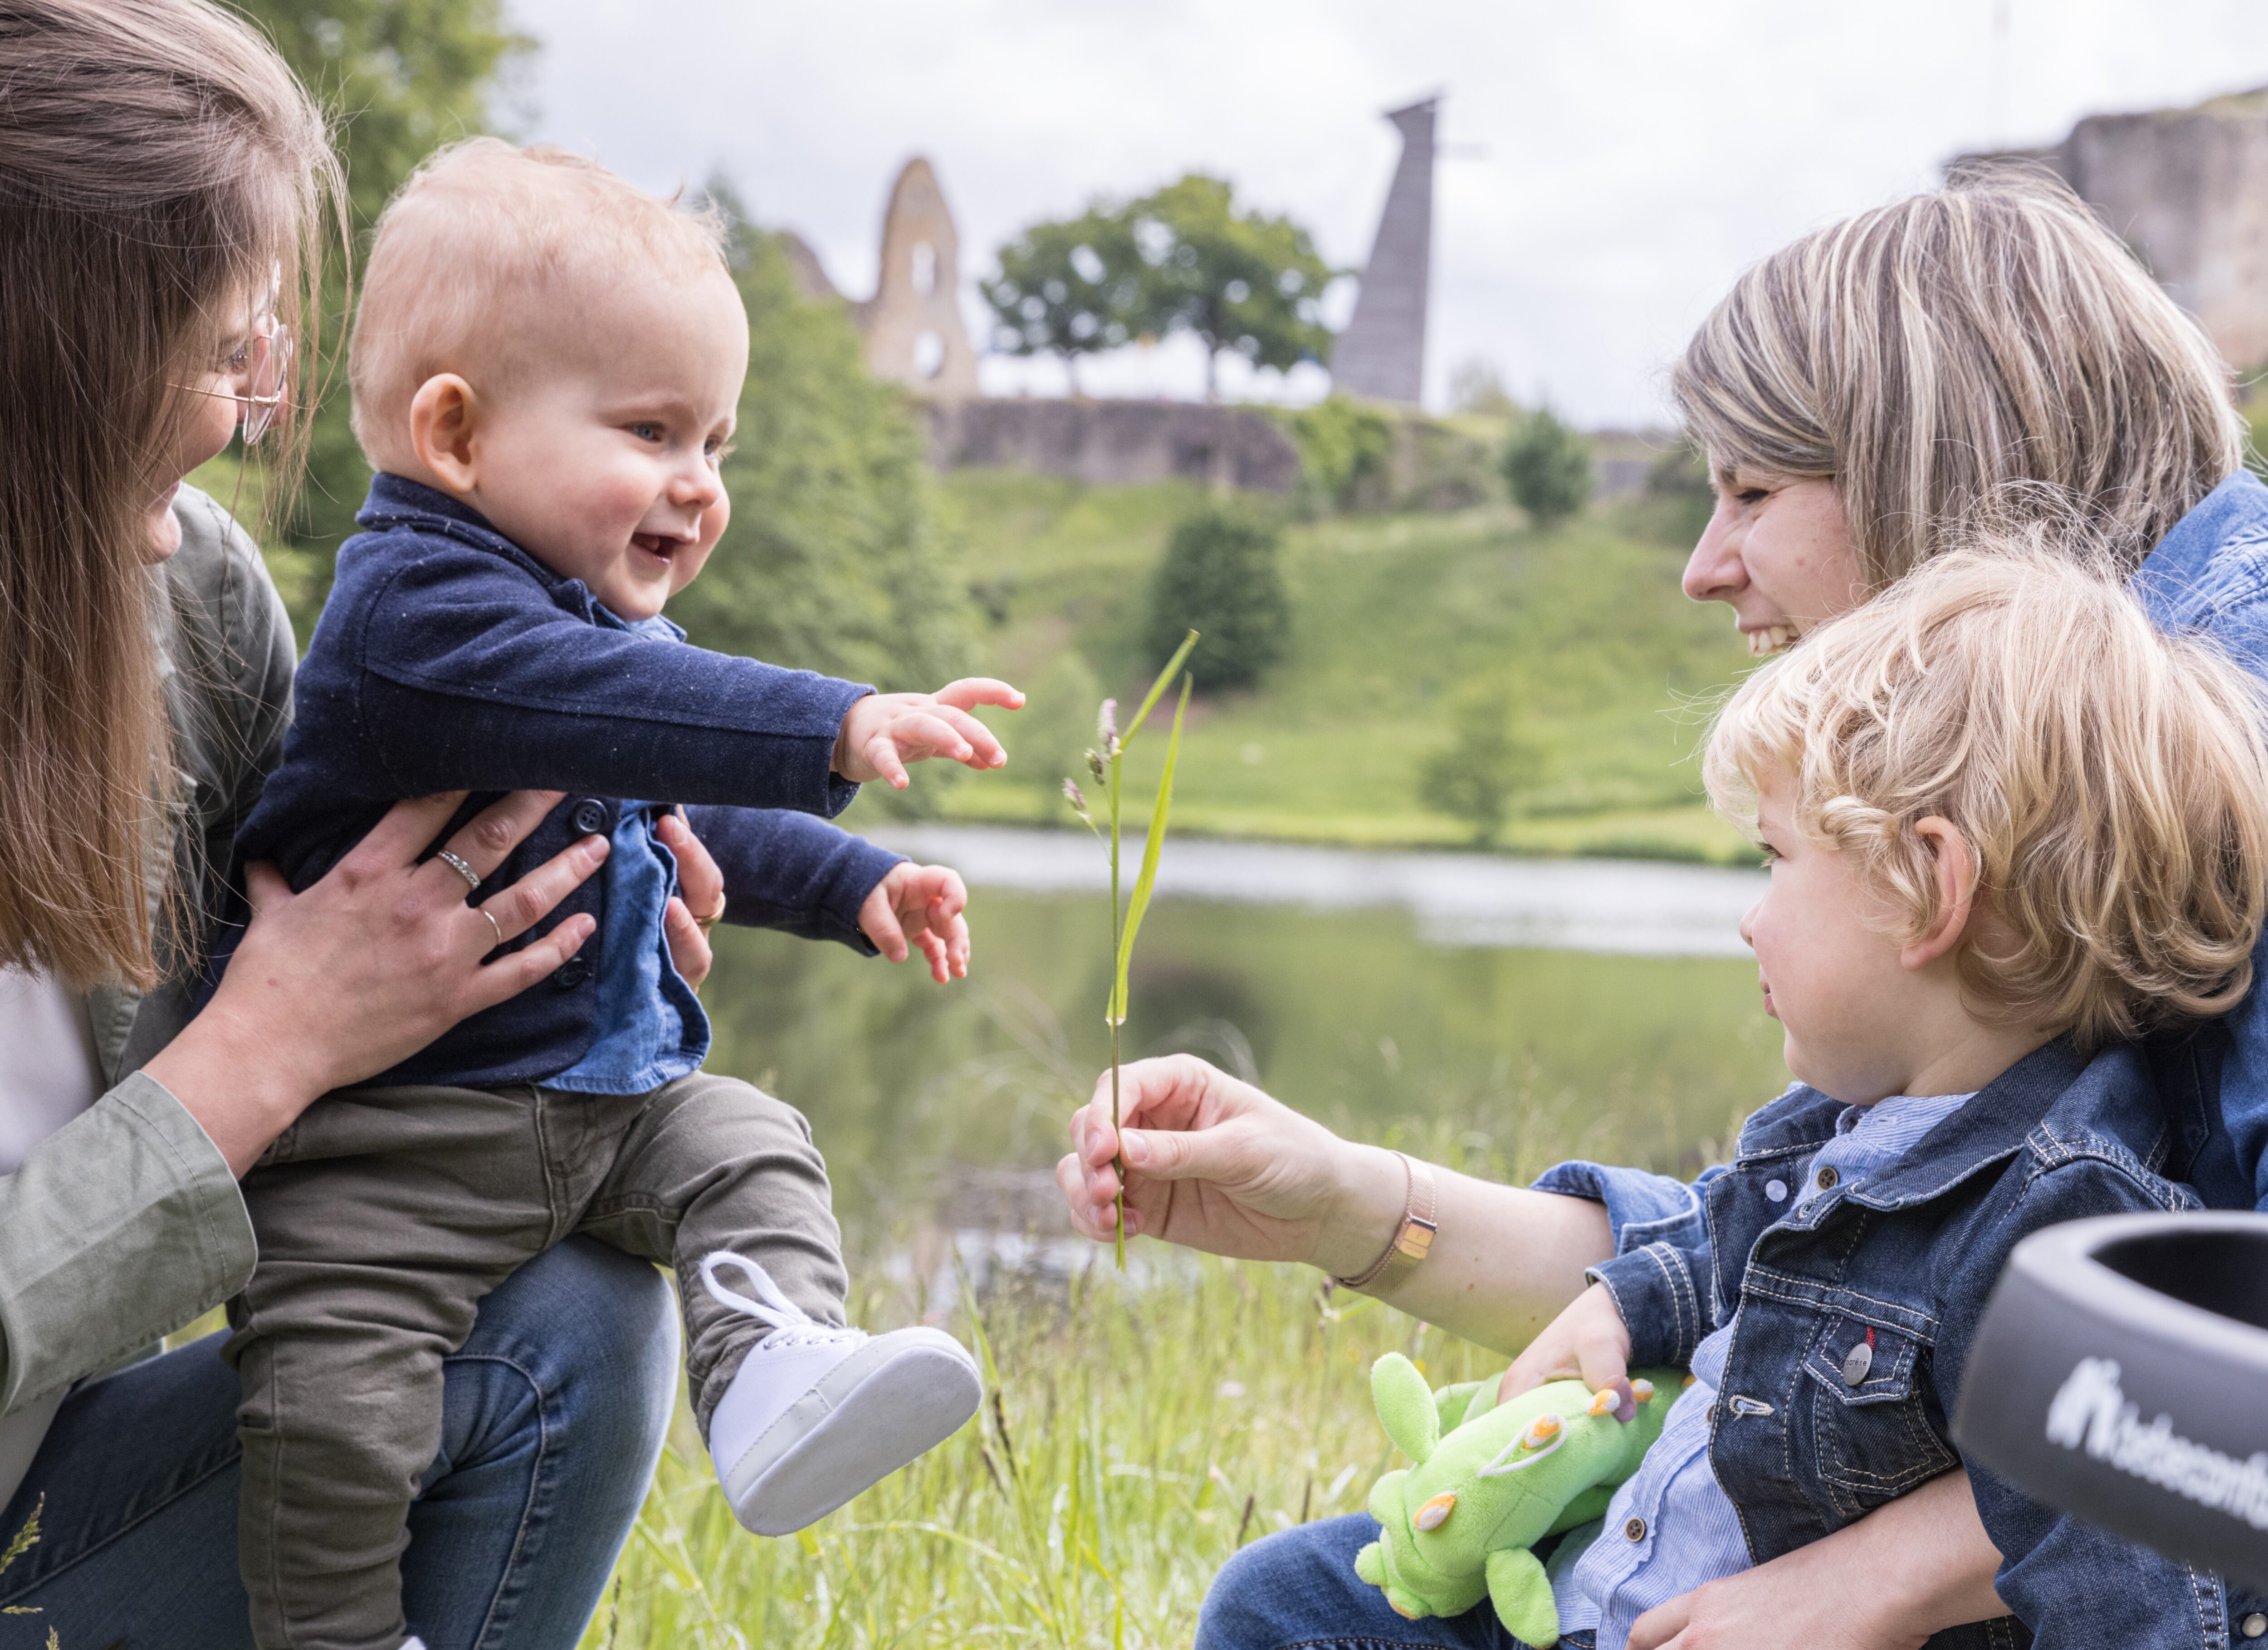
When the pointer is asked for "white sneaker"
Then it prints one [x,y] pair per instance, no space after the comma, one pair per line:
[815,1414]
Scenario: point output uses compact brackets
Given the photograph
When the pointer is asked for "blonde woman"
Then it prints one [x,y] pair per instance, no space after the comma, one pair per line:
[1867,397]
[164,189]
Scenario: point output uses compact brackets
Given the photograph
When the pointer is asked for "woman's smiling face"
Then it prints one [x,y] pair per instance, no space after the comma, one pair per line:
[1779,553]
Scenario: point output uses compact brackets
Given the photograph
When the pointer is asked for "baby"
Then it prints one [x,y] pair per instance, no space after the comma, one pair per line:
[2012,827]
[545,369]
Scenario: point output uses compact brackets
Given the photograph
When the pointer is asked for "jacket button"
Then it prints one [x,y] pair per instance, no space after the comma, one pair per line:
[590,816]
[572,973]
[2254,1625]
[1827,1176]
[1635,1530]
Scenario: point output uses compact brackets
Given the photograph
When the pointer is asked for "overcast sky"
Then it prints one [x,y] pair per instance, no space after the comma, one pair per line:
[1612,163]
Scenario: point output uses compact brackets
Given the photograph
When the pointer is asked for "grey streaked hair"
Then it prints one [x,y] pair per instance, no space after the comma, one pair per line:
[1932,356]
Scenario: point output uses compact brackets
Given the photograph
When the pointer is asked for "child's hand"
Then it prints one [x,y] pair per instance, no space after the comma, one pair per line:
[1587,1343]
[920,905]
[884,732]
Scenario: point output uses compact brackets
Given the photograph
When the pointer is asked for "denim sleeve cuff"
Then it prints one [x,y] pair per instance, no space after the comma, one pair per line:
[1660,1299]
[122,1226]
[1642,1207]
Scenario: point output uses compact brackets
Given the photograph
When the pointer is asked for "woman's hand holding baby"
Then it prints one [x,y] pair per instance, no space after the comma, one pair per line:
[920,905]
[883,731]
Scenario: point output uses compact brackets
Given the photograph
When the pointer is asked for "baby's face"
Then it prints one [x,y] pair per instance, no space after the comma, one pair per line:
[601,459]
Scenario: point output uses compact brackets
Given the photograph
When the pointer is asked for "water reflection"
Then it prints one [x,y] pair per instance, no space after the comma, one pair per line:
[946,1100]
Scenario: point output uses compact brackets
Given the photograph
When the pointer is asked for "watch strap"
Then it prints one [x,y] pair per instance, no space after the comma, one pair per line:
[1413,1236]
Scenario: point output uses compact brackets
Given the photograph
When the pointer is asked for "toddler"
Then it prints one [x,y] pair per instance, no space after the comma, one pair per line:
[545,369]
[2010,827]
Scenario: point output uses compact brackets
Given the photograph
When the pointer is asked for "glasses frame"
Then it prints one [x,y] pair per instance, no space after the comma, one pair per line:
[270,345]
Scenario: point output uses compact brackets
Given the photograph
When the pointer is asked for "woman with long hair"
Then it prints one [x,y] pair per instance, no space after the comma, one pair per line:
[167,197]
[1868,397]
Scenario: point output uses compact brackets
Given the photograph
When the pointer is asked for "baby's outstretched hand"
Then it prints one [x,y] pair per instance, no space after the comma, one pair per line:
[884,732]
[1587,1342]
[920,905]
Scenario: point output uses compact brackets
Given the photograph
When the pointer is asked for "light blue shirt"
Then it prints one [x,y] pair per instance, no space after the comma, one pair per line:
[1671,1527]
[652,1029]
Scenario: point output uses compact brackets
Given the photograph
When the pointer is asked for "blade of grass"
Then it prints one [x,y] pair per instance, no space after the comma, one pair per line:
[1147,877]
[1157,688]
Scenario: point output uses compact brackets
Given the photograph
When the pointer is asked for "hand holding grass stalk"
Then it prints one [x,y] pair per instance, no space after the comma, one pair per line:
[1104,764]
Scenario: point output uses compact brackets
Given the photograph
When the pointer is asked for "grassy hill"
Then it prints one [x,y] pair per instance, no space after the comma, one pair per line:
[1394,618]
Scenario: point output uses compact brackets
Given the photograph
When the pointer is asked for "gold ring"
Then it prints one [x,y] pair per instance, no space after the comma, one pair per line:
[493,924]
[705,923]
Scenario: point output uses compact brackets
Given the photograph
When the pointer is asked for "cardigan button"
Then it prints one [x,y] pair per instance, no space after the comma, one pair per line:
[571,973]
[590,816]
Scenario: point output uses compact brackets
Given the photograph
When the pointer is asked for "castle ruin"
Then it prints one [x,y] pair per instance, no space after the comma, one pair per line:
[2188,191]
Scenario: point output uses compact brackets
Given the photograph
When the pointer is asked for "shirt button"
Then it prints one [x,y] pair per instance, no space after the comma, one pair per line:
[590,816]
[1635,1530]
[572,973]
[1827,1176]
[2254,1625]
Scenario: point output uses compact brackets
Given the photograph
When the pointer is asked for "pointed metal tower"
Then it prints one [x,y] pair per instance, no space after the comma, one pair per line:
[1382,355]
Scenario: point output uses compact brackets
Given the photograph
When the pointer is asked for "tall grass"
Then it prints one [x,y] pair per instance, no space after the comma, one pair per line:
[1135,1434]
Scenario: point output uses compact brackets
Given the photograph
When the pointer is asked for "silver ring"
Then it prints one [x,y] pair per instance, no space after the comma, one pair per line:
[498,926]
[472,877]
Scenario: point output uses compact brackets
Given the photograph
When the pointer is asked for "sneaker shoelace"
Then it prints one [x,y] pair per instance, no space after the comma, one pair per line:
[791,1324]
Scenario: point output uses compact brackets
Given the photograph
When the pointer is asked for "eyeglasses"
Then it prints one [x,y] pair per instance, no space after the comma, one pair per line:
[263,364]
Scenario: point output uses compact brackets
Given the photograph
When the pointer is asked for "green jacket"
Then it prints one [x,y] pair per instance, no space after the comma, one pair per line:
[125,1223]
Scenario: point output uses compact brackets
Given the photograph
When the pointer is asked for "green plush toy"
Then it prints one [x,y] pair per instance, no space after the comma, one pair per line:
[1489,1481]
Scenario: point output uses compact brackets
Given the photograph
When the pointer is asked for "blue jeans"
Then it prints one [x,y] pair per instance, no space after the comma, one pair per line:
[1299,1588]
[553,1417]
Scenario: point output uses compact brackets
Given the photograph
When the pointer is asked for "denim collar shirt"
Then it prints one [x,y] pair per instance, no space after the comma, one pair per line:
[1671,1527]
[449,659]
[1848,1312]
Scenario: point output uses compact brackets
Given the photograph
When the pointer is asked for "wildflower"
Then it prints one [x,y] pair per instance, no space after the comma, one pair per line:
[1106,727]
[1072,795]
[1094,766]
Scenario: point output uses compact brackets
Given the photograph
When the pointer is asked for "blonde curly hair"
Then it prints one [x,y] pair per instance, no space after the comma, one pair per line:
[2111,780]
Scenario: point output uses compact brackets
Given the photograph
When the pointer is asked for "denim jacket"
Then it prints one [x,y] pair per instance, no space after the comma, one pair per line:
[1902,1264]
[448,659]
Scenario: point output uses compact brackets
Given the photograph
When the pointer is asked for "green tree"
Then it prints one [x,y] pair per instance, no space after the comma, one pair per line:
[1477,775]
[1548,467]
[837,559]
[400,78]
[1345,450]
[1219,577]
[1067,288]
[1240,281]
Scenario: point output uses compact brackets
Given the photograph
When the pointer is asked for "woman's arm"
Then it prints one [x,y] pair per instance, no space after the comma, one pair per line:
[1214,1164]
[1911,1567]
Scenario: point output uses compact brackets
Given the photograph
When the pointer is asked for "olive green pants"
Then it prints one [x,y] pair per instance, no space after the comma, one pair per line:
[384,1215]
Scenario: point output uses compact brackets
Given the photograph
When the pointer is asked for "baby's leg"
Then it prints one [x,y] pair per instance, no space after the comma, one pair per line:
[383,1217]
[721,1181]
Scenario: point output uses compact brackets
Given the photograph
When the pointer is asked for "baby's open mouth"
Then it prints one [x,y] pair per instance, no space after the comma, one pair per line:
[655,544]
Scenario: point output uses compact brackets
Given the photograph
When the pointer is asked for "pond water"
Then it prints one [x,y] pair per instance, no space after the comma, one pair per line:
[1498,1013]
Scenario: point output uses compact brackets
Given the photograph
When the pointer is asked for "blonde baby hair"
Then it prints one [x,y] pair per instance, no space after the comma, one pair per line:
[2110,779]
[1930,353]
[486,238]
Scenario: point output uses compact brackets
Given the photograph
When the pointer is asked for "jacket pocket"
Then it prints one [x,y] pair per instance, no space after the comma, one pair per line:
[1871,1412]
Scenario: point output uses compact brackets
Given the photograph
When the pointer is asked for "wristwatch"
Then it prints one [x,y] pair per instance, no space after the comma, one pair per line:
[1413,1238]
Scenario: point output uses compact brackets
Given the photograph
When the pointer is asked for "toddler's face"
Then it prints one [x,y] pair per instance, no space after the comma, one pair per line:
[1847,1006]
[602,460]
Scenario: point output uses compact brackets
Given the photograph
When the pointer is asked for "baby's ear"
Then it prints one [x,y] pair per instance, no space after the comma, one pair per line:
[1405,1406]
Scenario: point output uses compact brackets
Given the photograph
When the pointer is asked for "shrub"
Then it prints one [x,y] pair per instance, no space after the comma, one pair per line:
[1475,777]
[1548,467]
[1344,448]
[1220,577]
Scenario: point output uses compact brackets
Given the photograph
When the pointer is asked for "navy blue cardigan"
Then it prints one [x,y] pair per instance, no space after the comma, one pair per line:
[448,659]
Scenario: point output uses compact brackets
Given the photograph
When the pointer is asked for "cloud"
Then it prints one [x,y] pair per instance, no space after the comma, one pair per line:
[1632,155]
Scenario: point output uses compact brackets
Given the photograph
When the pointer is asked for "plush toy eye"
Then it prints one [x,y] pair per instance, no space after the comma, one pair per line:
[1436,1512]
[1642,1390]
[1541,1430]
[1603,1401]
